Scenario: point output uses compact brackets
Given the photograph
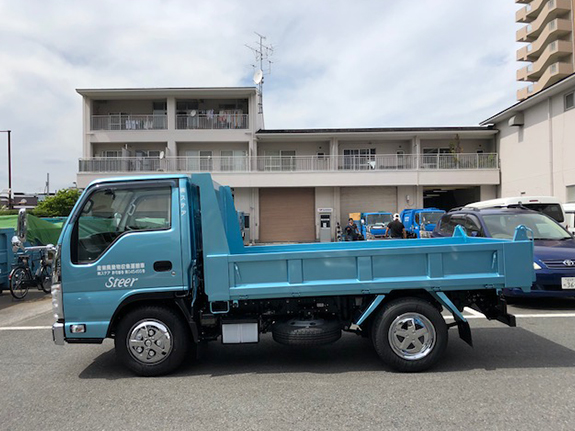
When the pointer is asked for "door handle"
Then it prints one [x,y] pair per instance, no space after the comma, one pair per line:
[162,266]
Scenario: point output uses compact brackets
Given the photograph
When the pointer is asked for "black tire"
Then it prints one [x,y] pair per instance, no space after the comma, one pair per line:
[19,282]
[425,330]
[153,328]
[306,333]
[46,279]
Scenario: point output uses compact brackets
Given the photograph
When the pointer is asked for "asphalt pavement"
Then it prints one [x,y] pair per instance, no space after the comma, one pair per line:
[513,378]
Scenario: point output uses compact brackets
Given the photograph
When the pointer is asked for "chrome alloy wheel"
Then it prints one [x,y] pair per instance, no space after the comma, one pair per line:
[149,342]
[412,336]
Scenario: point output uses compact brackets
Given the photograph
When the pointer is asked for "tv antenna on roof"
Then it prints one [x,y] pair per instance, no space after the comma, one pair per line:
[262,53]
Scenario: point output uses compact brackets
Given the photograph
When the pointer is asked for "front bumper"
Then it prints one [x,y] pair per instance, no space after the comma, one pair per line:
[58,333]
[547,285]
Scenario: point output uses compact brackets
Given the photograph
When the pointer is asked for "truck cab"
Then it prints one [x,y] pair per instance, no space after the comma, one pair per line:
[372,225]
[419,223]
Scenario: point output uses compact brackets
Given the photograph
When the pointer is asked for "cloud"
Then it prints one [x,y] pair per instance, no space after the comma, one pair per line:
[336,64]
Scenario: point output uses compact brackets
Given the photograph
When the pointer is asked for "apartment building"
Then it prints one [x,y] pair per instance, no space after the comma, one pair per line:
[536,143]
[294,184]
[548,35]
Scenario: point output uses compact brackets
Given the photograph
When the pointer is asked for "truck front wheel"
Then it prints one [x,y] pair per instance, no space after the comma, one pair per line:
[152,341]
[409,335]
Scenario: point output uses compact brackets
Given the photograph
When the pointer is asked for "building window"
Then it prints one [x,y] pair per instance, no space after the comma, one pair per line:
[359,159]
[569,101]
[279,160]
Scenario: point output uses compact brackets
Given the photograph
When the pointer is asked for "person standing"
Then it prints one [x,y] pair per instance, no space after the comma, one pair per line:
[351,231]
[395,228]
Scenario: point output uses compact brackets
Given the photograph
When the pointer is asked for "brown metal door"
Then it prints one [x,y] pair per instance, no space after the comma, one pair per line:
[287,214]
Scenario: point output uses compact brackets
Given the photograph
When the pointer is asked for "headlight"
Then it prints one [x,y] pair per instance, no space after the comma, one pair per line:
[536,266]
[57,301]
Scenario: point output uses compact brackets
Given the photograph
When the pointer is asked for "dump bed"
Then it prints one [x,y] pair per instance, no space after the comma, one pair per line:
[235,272]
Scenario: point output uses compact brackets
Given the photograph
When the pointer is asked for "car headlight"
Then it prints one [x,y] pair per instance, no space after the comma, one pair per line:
[536,266]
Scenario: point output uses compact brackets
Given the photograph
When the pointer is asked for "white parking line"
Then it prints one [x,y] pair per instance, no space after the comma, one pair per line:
[473,312]
[519,316]
[23,328]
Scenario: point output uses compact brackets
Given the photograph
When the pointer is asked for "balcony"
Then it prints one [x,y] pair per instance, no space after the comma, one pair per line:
[551,75]
[529,11]
[554,73]
[554,30]
[283,164]
[545,23]
[212,121]
[554,51]
[128,122]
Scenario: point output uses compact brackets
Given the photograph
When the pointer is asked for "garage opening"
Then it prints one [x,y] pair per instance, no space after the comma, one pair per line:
[287,214]
[446,198]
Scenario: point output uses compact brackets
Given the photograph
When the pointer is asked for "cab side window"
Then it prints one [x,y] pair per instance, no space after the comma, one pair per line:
[111,212]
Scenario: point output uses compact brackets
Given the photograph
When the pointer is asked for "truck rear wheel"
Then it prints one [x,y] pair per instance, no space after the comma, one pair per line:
[152,341]
[409,335]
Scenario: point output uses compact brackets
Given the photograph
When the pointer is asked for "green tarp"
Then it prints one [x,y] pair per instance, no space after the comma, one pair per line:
[40,232]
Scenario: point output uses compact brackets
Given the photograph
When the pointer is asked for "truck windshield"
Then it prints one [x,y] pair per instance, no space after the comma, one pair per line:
[378,219]
[431,218]
[503,226]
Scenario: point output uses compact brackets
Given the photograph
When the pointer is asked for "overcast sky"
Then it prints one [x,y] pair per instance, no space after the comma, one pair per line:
[335,64]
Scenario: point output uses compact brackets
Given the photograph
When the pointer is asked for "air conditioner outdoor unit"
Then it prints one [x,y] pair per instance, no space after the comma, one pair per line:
[516,120]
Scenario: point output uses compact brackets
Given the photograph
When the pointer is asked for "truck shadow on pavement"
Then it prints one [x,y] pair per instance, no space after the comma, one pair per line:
[495,348]
[524,304]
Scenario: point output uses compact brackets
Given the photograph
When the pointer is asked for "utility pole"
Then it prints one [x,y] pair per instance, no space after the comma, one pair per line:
[9,169]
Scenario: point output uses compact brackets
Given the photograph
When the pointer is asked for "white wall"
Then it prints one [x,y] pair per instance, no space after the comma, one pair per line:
[538,158]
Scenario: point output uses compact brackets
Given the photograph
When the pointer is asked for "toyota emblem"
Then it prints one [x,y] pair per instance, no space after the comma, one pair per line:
[568,262]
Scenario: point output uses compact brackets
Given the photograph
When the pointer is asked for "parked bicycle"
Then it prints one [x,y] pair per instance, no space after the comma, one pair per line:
[27,273]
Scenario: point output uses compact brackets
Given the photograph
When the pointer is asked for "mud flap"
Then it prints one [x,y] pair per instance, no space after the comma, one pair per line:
[462,323]
[465,332]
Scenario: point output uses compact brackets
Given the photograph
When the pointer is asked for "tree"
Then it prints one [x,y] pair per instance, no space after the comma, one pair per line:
[59,205]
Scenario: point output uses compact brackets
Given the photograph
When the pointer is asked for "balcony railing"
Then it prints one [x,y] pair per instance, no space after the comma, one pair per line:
[128,122]
[385,162]
[225,121]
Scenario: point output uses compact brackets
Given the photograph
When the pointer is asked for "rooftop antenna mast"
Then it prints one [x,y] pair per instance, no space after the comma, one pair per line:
[262,53]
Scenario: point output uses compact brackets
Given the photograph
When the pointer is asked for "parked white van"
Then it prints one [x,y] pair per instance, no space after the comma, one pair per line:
[548,205]
[569,210]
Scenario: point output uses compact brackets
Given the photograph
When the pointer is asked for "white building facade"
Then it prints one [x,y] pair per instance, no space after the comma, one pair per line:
[536,143]
[291,183]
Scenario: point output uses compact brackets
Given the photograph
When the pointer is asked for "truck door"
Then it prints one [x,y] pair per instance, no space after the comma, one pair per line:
[123,237]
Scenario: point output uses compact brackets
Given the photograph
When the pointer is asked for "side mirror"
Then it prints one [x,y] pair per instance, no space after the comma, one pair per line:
[22,225]
[362,221]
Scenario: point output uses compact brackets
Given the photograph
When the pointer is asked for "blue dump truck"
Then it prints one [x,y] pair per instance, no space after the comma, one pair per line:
[157,263]
[419,223]
[371,225]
